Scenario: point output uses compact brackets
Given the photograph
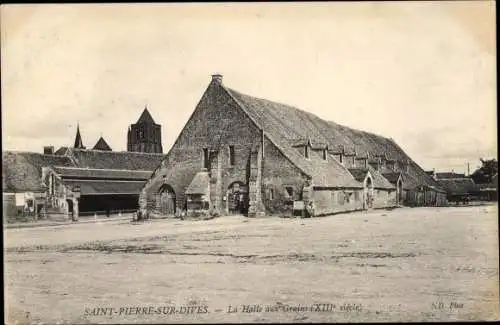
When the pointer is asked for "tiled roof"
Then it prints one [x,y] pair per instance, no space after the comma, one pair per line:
[86,173]
[336,149]
[328,173]
[380,181]
[359,174]
[146,117]
[22,171]
[284,124]
[458,186]
[449,175]
[315,145]
[102,145]
[199,184]
[409,182]
[392,177]
[61,151]
[107,187]
[363,155]
[116,159]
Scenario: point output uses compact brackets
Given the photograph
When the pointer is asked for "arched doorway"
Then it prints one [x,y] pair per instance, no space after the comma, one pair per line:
[237,198]
[368,193]
[399,192]
[70,207]
[165,200]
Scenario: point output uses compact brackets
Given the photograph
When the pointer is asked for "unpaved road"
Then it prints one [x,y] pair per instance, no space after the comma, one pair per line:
[418,264]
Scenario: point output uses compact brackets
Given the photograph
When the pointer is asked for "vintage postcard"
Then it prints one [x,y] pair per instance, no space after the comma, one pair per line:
[249,162]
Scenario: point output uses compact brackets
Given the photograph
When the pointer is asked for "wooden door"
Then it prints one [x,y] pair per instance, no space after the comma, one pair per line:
[167,202]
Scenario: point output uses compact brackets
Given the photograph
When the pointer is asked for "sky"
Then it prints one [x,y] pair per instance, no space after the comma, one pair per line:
[422,73]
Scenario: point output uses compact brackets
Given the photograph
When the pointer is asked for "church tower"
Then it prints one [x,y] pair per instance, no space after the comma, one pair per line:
[78,138]
[144,135]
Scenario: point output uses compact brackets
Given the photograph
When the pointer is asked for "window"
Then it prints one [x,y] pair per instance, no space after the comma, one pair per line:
[306,151]
[340,158]
[231,155]
[356,196]
[205,158]
[289,191]
[324,154]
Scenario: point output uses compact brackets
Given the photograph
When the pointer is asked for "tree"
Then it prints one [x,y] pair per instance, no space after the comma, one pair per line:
[484,174]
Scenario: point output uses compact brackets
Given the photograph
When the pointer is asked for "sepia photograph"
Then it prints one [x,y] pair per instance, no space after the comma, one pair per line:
[296,162]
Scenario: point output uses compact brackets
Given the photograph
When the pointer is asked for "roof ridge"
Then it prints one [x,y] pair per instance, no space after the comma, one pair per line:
[306,112]
[123,152]
[30,152]
[103,169]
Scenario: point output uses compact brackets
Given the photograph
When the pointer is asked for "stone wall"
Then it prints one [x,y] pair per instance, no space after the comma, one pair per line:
[329,201]
[278,173]
[383,198]
[216,123]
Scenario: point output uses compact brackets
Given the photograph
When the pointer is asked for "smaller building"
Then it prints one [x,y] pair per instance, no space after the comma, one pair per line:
[458,187]
[24,194]
[84,191]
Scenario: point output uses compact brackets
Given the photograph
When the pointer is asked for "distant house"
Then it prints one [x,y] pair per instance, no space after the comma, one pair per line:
[458,186]
[449,175]
[75,181]
[22,188]
[239,154]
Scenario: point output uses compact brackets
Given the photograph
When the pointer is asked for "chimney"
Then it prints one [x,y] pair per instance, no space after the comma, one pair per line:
[217,78]
[48,150]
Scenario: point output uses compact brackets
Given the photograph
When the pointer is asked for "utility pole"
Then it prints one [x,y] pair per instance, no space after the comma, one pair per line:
[468,169]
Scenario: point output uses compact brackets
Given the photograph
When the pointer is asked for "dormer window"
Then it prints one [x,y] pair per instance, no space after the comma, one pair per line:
[205,158]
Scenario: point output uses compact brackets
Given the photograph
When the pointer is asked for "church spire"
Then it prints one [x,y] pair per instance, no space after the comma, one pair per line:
[145,117]
[78,138]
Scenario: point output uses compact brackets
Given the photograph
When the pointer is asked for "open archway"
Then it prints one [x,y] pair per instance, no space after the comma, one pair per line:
[237,198]
[70,206]
[165,200]
[368,193]
[399,192]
